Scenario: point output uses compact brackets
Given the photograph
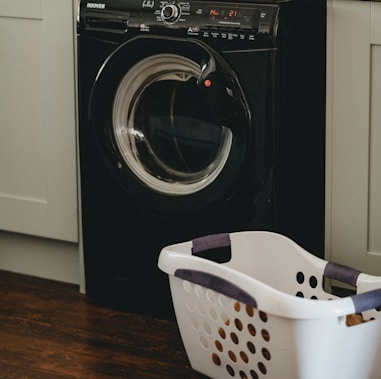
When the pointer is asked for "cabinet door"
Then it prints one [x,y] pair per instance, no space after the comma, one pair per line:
[38,193]
[354,134]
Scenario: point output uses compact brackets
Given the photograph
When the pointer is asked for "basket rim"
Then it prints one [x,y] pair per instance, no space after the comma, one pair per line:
[179,257]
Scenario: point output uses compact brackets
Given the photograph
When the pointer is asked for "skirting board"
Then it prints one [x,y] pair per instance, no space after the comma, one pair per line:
[41,257]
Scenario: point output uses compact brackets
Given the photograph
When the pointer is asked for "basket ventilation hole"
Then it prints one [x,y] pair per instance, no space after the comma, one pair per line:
[299,294]
[201,309]
[213,314]
[234,338]
[243,375]
[219,346]
[265,335]
[187,286]
[222,333]
[262,368]
[230,370]
[266,354]
[216,359]
[244,357]
[313,282]
[223,300]
[207,328]
[300,277]
[232,356]
[204,342]
[225,319]
[251,347]
[198,290]
[263,316]
[254,375]
[211,296]
[195,323]
[249,311]
[190,304]
[378,309]
[237,306]
[251,329]
[238,324]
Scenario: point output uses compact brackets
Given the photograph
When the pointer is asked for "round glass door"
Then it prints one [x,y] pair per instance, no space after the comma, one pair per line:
[164,129]
[171,124]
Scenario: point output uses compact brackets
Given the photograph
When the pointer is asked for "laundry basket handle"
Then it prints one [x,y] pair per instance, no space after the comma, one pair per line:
[342,273]
[362,301]
[217,284]
[210,242]
[367,300]
[214,247]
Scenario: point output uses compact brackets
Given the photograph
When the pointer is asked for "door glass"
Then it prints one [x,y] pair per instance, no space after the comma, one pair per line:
[164,130]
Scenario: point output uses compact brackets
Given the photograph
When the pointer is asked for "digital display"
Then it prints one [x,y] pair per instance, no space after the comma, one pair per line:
[230,16]
[224,13]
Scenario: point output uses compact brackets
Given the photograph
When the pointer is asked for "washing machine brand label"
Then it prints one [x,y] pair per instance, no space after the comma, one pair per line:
[148,3]
[96,5]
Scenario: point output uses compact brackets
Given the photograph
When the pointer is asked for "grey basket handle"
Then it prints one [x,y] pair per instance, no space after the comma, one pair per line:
[367,300]
[210,242]
[217,284]
[362,301]
[342,273]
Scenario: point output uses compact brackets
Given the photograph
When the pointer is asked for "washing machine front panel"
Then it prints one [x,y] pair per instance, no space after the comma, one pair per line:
[186,128]
[168,112]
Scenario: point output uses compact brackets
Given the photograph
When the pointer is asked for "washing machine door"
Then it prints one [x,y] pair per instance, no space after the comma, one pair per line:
[171,122]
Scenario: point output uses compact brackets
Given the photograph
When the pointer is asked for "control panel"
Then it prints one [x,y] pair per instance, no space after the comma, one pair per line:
[193,18]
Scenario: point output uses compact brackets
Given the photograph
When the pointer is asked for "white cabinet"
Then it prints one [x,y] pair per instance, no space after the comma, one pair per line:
[354,134]
[38,190]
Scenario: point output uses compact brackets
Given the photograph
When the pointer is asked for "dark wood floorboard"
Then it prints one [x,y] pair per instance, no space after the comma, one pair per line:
[49,330]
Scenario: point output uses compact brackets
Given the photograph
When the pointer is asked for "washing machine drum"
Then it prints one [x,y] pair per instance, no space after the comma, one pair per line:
[171,122]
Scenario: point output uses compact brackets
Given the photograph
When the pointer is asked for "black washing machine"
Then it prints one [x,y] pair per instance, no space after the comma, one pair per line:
[196,117]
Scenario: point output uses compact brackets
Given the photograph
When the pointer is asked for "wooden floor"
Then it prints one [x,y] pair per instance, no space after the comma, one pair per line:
[49,330]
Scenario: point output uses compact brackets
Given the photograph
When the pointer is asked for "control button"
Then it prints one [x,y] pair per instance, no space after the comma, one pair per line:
[170,13]
[185,7]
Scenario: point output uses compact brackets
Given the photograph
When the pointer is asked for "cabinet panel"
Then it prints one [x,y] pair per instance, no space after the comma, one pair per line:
[354,135]
[22,136]
[37,120]
[349,132]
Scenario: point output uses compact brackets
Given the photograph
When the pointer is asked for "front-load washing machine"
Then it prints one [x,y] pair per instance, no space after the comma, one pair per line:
[195,117]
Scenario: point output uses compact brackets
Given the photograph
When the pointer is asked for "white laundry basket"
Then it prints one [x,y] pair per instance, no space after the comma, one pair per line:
[259,310]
